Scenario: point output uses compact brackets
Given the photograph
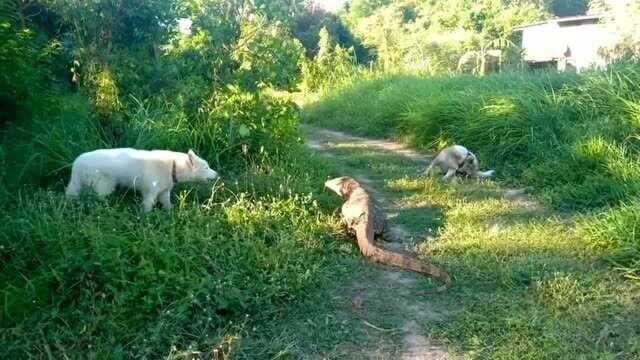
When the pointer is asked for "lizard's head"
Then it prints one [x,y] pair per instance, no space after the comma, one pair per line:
[342,186]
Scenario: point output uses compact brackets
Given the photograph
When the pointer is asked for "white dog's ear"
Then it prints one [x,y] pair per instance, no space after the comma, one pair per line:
[192,157]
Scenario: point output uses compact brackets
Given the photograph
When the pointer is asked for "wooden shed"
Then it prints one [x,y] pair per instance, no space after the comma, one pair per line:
[568,43]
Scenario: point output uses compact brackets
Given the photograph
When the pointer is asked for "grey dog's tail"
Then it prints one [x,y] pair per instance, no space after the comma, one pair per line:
[485,174]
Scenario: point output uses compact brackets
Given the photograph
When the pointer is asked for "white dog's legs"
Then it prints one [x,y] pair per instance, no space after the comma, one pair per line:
[103,186]
[74,187]
[165,199]
[428,171]
[148,201]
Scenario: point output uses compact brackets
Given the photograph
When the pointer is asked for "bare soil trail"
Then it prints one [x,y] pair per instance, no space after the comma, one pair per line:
[394,292]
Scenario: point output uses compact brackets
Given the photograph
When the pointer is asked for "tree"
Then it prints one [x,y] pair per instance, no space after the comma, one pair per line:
[624,26]
[267,53]
[331,65]
[384,32]
[431,36]
[568,7]
[359,9]
[100,25]
[309,23]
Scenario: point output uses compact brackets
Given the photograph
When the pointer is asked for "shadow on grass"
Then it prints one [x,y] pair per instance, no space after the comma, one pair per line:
[418,221]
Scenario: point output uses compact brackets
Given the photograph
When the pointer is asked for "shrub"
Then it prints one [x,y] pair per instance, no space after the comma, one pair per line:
[39,151]
[22,58]
[331,65]
[267,54]
[233,127]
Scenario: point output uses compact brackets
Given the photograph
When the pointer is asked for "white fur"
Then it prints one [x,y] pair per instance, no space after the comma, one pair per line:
[148,172]
[457,158]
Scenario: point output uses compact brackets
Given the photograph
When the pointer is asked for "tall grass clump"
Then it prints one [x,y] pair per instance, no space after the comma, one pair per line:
[618,230]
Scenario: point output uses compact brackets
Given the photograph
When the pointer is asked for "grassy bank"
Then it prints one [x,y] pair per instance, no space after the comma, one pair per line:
[572,138]
[97,278]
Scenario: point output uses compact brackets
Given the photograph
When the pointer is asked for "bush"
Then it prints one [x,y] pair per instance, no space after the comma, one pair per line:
[22,58]
[233,127]
[267,54]
[39,151]
[332,64]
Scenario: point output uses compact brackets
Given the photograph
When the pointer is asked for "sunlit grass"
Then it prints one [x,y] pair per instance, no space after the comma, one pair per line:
[528,281]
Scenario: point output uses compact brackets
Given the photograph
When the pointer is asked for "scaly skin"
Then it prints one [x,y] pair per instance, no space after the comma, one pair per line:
[362,215]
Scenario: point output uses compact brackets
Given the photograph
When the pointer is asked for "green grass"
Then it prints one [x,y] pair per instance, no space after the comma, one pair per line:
[572,138]
[257,267]
[98,279]
[528,285]
[529,282]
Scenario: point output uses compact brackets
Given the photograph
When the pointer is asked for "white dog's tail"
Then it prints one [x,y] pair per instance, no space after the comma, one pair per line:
[75,185]
[485,174]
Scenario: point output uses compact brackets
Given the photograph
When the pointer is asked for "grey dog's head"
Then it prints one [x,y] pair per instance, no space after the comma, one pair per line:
[470,165]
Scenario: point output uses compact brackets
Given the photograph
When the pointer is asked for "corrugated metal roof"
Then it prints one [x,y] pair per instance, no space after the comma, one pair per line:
[561,20]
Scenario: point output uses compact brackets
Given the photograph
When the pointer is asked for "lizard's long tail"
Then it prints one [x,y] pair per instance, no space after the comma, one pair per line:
[365,234]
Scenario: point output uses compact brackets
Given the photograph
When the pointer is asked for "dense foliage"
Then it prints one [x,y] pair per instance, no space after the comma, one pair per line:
[435,37]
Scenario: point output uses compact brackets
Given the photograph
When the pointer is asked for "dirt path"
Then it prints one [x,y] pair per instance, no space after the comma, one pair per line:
[390,292]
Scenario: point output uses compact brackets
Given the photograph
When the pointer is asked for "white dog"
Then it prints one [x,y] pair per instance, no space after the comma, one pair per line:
[152,173]
[457,159]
